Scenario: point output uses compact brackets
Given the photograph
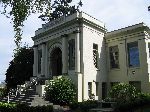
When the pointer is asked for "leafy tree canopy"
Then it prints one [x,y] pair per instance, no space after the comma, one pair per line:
[20,68]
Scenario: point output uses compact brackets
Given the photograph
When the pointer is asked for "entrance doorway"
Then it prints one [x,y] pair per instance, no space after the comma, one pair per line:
[56,62]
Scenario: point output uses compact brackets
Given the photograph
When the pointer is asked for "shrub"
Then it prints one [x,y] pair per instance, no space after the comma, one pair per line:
[123,92]
[6,107]
[84,106]
[61,91]
[127,98]
[2,92]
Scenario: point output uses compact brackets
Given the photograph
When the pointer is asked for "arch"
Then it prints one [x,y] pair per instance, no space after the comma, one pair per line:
[55,60]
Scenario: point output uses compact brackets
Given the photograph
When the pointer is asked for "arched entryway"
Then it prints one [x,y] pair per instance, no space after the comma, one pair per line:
[56,61]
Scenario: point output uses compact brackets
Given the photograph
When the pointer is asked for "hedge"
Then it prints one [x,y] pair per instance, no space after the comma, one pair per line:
[11,107]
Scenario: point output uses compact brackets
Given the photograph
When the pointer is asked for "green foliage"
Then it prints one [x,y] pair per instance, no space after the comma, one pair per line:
[123,92]
[20,68]
[84,106]
[2,92]
[7,107]
[61,8]
[127,98]
[61,91]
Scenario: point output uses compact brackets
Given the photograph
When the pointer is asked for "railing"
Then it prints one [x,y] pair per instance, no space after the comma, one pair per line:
[22,88]
[28,84]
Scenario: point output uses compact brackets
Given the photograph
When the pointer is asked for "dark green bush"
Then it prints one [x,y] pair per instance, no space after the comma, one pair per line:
[123,92]
[61,91]
[6,107]
[2,92]
[127,98]
[84,106]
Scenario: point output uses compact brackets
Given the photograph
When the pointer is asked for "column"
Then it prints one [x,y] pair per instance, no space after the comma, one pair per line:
[64,55]
[35,69]
[77,52]
[46,60]
[43,61]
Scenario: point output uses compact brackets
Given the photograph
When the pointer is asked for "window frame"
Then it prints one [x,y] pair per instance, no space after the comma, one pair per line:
[110,59]
[129,46]
[71,54]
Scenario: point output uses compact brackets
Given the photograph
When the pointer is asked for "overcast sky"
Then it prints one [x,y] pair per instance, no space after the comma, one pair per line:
[115,14]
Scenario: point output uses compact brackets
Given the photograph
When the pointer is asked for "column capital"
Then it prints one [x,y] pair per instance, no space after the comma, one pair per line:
[76,31]
[43,43]
[64,35]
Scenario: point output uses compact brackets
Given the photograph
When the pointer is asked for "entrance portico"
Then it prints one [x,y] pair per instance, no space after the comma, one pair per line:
[65,46]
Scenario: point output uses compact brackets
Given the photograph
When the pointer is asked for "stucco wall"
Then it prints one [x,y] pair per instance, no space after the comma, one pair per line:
[125,73]
[91,73]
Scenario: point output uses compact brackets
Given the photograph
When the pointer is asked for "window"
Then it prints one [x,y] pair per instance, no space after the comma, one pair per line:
[136,84]
[95,55]
[89,88]
[114,56]
[71,54]
[39,60]
[97,86]
[133,54]
[149,48]
[104,90]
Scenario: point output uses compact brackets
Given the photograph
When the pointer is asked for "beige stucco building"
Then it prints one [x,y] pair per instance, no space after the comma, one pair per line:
[80,46]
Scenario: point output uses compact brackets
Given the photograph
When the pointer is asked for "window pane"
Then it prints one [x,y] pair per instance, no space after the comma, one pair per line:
[114,57]
[133,54]
[72,54]
[89,88]
[149,48]
[39,60]
[95,55]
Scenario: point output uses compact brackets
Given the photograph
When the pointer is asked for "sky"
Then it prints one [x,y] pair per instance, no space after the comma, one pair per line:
[115,14]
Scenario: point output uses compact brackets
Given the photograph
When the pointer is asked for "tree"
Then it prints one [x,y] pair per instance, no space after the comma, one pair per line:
[61,8]
[20,68]
[61,91]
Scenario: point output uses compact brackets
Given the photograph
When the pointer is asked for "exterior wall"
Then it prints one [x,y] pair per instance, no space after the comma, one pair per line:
[125,73]
[91,73]
[86,31]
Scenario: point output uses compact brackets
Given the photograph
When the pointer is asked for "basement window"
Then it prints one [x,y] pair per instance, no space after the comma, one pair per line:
[89,88]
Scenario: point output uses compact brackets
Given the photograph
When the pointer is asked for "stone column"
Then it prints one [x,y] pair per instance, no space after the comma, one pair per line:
[43,60]
[77,52]
[35,65]
[46,60]
[64,55]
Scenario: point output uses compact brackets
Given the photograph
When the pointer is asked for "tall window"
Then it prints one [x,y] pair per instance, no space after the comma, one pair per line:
[133,54]
[149,48]
[114,56]
[97,86]
[71,54]
[95,55]
[39,60]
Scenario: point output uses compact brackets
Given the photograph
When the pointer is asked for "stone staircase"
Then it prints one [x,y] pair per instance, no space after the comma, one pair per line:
[26,94]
